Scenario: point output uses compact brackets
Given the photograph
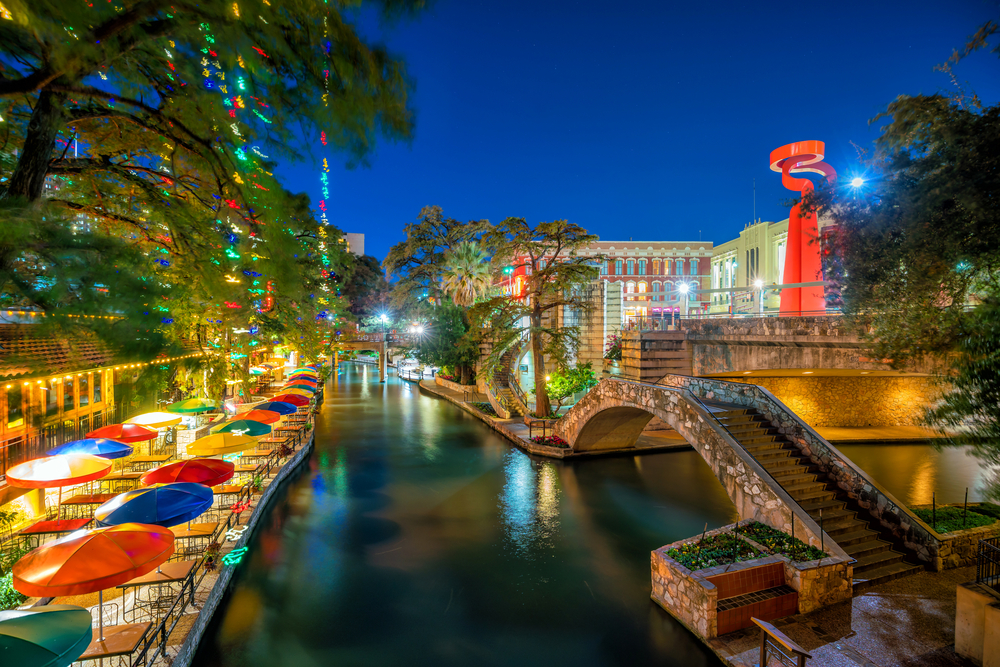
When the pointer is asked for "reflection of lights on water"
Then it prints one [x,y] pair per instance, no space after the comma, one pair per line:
[529,502]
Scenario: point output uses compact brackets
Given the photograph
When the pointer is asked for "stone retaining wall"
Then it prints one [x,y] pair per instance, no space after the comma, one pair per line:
[454,386]
[958,549]
[882,505]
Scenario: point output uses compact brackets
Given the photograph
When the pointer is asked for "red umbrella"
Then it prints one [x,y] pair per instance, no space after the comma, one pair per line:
[124,432]
[210,472]
[93,561]
[294,399]
[262,416]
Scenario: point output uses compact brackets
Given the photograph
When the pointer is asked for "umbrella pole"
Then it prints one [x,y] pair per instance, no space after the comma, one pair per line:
[59,506]
[100,612]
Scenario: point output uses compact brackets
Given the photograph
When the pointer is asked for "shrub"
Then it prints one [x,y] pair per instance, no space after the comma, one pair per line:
[550,440]
[987,509]
[777,542]
[716,550]
[9,598]
[949,519]
[613,348]
[484,407]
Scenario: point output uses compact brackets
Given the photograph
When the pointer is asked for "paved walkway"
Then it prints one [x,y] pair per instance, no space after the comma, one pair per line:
[901,623]
[881,434]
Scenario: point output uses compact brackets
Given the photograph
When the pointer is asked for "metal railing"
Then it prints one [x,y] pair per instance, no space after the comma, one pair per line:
[988,563]
[543,424]
[504,402]
[671,321]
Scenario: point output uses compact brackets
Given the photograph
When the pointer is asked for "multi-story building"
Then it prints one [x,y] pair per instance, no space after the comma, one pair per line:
[355,243]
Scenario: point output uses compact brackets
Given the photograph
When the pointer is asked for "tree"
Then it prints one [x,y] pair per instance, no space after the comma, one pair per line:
[418,262]
[466,275]
[562,384]
[548,252]
[365,288]
[446,341]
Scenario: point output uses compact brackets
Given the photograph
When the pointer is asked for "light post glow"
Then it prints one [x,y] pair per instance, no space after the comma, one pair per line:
[684,288]
[759,284]
[857,182]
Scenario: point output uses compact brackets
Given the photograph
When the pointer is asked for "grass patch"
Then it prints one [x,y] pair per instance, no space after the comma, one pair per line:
[949,519]
[719,549]
[780,543]
[484,407]
[987,509]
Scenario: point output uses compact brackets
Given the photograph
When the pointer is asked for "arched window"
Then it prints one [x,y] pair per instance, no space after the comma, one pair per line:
[656,267]
[631,267]
[656,285]
[642,287]
[630,287]
[642,267]
[618,267]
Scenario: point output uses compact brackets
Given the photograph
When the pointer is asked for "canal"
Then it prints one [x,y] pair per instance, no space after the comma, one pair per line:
[417,536]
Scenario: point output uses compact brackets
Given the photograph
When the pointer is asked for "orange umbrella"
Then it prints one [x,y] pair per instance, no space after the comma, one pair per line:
[124,433]
[262,416]
[210,472]
[300,392]
[92,561]
[49,472]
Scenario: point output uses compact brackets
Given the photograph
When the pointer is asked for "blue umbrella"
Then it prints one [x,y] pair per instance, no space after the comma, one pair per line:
[103,447]
[280,407]
[161,505]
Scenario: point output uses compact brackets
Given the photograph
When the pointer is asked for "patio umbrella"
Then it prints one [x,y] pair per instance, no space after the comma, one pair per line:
[297,392]
[192,405]
[51,636]
[106,449]
[303,378]
[155,419]
[221,443]
[262,416]
[92,561]
[61,470]
[303,370]
[279,407]
[299,387]
[160,505]
[243,427]
[210,472]
[294,399]
[257,371]
[124,433]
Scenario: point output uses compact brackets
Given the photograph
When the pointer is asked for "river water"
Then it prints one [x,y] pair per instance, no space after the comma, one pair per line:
[417,536]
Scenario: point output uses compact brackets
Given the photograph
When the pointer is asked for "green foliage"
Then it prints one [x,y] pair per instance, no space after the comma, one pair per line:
[466,275]
[9,556]
[366,289]
[613,348]
[780,543]
[446,340]
[9,598]
[551,441]
[950,518]
[484,407]
[715,550]
[562,384]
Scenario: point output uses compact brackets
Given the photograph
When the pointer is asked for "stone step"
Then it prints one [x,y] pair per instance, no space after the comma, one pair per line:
[762,439]
[745,420]
[773,455]
[860,549]
[884,574]
[844,523]
[856,536]
[793,477]
[811,492]
[825,504]
[776,465]
[833,516]
[774,445]
[874,561]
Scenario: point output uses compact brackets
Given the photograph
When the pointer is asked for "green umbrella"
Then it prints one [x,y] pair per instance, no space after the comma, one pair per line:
[192,405]
[243,427]
[50,636]
[307,387]
[303,370]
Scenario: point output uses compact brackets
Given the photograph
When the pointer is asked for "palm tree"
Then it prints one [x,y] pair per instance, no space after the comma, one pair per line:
[466,275]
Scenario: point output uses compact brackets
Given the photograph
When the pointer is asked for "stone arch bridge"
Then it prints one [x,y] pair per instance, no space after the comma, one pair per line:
[774,467]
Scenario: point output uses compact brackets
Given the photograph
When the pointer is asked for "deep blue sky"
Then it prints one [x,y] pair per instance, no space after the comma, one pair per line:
[644,119]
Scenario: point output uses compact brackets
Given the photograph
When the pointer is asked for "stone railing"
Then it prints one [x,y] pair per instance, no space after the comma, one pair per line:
[882,505]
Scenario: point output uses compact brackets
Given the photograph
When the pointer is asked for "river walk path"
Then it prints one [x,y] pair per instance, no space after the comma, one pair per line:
[902,623]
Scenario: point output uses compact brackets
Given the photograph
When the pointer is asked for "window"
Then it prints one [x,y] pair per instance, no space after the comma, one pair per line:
[618,267]
[51,398]
[781,263]
[656,287]
[656,267]
[642,267]
[642,287]
[97,386]
[605,268]
[694,266]
[541,264]
[631,267]
[68,403]
[630,287]
[15,406]
[84,390]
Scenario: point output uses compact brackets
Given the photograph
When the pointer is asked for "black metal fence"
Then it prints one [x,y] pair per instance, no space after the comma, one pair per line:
[988,563]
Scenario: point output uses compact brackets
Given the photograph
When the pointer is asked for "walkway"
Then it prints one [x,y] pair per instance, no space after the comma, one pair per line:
[878,434]
[902,623]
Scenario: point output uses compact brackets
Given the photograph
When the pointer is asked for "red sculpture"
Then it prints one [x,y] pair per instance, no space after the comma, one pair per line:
[802,258]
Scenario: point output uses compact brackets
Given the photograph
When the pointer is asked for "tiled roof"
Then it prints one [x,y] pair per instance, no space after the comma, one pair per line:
[27,349]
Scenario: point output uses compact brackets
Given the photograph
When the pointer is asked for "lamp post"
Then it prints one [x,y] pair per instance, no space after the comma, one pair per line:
[759,284]
[684,289]
[383,360]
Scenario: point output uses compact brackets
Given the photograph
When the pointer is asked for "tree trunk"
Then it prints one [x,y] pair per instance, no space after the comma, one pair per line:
[542,405]
[47,119]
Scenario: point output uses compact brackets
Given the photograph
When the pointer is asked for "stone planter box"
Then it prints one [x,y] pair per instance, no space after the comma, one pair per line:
[693,596]
[958,548]
[454,386]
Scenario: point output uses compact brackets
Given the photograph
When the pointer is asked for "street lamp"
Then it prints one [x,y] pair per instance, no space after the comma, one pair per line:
[857,182]
[759,284]
[684,288]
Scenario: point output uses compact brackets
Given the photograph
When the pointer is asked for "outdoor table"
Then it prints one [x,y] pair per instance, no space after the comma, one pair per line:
[166,574]
[197,532]
[227,490]
[118,640]
[84,499]
[143,463]
[53,527]
[256,455]
[126,480]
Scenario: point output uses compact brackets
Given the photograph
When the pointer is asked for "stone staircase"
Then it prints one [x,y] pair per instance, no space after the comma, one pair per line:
[878,559]
[501,382]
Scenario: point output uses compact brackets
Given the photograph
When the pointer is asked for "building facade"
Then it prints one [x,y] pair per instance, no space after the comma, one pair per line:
[757,254]
[355,243]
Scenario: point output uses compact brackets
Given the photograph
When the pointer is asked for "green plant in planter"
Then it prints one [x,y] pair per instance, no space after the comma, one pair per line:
[9,598]
[257,483]
[212,556]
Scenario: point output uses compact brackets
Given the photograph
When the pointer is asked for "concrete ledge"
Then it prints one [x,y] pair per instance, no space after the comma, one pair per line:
[189,648]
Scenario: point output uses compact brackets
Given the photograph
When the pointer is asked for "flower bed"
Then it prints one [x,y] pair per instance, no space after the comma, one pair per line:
[551,441]
[779,543]
[711,551]
[951,518]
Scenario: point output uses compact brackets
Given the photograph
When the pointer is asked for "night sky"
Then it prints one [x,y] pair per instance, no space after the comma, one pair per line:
[648,120]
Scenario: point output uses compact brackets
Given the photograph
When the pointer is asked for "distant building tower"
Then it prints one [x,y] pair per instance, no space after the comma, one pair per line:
[355,243]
